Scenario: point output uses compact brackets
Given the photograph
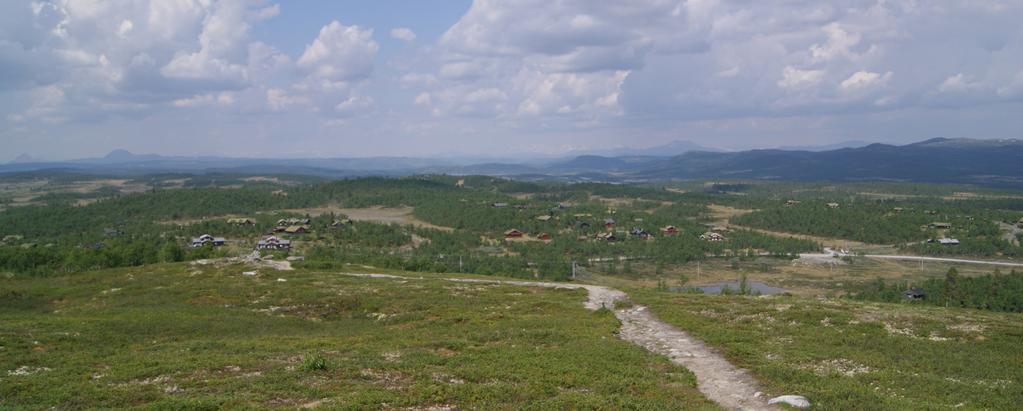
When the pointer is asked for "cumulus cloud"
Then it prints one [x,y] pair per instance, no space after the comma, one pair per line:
[865,79]
[404,34]
[516,67]
[340,53]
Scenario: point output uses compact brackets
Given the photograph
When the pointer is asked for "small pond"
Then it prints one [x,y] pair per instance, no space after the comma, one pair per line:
[755,286]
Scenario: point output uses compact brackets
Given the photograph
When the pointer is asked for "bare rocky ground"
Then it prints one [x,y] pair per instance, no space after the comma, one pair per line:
[729,386]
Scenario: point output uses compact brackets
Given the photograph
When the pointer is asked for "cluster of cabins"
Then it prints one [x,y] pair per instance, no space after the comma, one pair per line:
[292,226]
[609,235]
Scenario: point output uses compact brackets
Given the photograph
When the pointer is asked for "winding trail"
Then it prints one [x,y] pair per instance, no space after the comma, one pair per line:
[731,387]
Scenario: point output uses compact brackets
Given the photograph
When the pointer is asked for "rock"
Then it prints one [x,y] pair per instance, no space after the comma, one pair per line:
[758,394]
[797,401]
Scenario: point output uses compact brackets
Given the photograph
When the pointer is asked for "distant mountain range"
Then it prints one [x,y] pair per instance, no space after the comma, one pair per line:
[987,162]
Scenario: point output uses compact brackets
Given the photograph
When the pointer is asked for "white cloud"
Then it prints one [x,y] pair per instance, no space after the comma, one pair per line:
[340,53]
[125,28]
[793,77]
[840,43]
[959,83]
[403,34]
[211,99]
[278,99]
[354,105]
[865,79]
[423,99]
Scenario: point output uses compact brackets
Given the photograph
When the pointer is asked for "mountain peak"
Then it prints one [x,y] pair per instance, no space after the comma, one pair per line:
[24,158]
[119,154]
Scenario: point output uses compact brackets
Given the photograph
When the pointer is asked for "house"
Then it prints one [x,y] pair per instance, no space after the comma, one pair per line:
[110,232]
[941,226]
[521,206]
[610,237]
[1019,224]
[296,229]
[930,212]
[563,205]
[712,236]
[284,222]
[669,231]
[609,223]
[545,217]
[790,203]
[582,225]
[719,229]
[207,239]
[948,241]
[499,205]
[340,223]
[273,243]
[241,221]
[914,293]
[898,209]
[543,237]
[832,205]
[513,233]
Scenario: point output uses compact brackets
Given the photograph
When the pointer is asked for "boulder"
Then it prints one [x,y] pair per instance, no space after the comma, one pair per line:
[797,401]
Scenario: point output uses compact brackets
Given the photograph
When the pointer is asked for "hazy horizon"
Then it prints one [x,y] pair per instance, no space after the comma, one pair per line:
[262,78]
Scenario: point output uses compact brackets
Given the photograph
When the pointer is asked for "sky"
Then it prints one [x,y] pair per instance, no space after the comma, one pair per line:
[264,78]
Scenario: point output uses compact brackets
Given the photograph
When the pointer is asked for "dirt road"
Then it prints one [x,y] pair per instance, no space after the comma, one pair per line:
[720,381]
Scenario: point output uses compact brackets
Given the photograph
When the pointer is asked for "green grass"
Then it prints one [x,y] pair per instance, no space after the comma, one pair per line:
[853,355]
[183,337]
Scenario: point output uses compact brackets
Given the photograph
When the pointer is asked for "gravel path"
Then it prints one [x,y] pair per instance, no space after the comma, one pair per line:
[731,387]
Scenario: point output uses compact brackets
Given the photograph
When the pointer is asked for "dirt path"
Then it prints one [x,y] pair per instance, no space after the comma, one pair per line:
[731,387]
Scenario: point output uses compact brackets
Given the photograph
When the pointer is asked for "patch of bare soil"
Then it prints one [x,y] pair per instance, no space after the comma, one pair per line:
[398,215]
[729,386]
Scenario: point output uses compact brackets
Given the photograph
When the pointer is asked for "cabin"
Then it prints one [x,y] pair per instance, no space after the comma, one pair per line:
[790,203]
[273,243]
[609,223]
[948,241]
[296,229]
[940,226]
[207,239]
[285,222]
[545,217]
[241,221]
[609,237]
[543,237]
[669,231]
[712,236]
[914,293]
[832,205]
[499,205]
[513,233]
